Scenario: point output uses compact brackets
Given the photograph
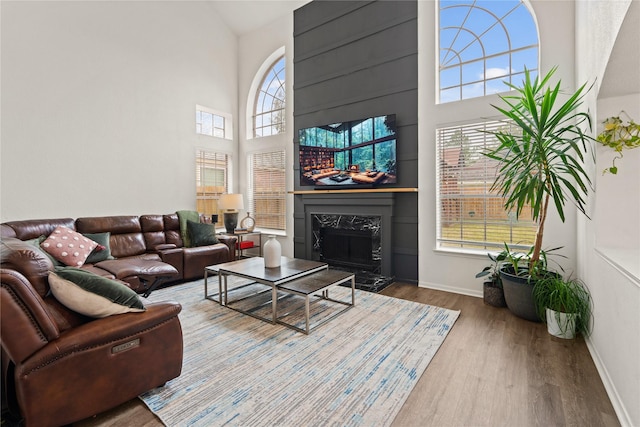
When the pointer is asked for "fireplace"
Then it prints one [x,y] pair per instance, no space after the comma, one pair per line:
[352,243]
[347,248]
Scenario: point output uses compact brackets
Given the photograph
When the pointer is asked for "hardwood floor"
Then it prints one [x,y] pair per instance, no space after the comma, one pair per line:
[494,369]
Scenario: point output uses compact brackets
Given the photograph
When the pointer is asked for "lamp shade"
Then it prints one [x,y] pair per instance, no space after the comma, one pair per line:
[231,202]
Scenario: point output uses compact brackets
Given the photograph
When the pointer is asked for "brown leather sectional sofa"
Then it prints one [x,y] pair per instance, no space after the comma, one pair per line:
[134,240]
[59,366]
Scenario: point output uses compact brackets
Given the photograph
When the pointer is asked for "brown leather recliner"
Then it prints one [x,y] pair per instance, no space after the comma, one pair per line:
[60,366]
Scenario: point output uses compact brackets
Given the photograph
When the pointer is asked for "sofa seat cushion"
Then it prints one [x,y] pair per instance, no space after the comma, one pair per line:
[97,271]
[92,295]
[128,267]
[196,259]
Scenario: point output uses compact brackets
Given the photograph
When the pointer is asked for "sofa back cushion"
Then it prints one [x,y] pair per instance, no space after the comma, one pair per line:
[153,230]
[126,233]
[172,229]
[32,228]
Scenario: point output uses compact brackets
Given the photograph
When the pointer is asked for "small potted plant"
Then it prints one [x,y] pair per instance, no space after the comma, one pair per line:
[564,305]
[619,135]
[492,286]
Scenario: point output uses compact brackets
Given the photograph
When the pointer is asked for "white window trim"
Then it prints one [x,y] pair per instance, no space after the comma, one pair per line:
[255,88]
[228,121]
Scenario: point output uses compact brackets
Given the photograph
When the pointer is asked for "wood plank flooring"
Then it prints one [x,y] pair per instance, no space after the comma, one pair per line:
[494,369]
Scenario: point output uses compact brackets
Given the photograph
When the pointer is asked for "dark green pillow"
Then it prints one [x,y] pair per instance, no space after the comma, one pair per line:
[103,251]
[201,234]
[36,242]
[116,297]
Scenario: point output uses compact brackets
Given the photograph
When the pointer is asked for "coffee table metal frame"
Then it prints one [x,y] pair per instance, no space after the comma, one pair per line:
[319,282]
[238,268]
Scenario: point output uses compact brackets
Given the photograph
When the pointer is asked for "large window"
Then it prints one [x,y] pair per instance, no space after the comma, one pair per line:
[267,193]
[212,172]
[482,45]
[269,114]
[470,214]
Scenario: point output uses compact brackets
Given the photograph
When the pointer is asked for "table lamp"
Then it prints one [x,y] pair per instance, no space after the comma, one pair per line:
[230,204]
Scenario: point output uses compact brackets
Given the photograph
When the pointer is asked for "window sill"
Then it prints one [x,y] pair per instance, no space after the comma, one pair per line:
[625,260]
[469,253]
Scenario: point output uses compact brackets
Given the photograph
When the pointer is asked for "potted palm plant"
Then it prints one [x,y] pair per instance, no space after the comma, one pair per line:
[564,305]
[540,164]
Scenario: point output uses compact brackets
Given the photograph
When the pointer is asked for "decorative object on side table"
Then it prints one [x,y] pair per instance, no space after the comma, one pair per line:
[619,136]
[272,252]
[230,204]
[248,222]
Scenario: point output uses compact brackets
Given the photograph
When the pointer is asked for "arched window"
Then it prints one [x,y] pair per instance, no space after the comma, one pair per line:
[482,45]
[269,116]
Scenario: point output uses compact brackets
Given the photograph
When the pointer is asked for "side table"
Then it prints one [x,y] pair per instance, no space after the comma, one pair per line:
[245,243]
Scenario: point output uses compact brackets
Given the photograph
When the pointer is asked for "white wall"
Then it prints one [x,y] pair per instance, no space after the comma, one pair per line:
[455,272]
[253,50]
[98,103]
[609,256]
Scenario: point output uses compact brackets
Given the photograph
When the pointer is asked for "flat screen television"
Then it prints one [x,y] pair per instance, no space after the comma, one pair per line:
[354,154]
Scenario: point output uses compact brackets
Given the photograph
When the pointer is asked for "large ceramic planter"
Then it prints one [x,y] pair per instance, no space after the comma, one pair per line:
[518,293]
[561,325]
[493,295]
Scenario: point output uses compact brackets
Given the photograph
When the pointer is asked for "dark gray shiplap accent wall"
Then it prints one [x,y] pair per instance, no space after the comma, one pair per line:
[352,60]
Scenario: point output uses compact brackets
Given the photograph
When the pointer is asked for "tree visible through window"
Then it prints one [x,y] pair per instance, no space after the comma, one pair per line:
[470,215]
[270,102]
[483,44]
[267,199]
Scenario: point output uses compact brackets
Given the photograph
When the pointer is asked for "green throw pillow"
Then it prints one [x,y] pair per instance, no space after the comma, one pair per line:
[201,234]
[92,295]
[103,251]
[183,217]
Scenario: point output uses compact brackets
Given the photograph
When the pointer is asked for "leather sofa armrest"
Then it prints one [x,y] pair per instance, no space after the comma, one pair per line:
[175,258]
[103,331]
[164,247]
[26,323]
[99,365]
[230,241]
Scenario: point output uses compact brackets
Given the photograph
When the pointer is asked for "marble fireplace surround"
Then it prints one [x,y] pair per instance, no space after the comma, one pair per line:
[369,226]
[355,213]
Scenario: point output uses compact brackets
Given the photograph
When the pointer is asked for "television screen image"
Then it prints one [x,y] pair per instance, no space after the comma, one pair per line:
[359,153]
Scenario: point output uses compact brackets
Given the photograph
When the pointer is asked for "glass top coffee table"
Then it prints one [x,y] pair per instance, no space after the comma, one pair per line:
[260,287]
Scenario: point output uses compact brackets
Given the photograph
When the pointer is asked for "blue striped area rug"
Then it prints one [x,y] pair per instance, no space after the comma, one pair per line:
[355,370]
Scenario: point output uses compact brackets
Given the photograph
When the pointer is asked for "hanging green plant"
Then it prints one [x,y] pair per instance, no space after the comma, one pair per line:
[619,135]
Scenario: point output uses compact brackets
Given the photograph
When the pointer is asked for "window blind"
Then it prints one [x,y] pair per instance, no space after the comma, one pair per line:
[212,171]
[469,214]
[268,201]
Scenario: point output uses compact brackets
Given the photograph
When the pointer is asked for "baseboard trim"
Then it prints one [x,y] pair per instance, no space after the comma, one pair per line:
[612,392]
[453,289]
